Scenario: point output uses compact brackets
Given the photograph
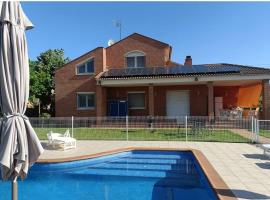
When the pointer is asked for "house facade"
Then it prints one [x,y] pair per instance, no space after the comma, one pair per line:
[136,76]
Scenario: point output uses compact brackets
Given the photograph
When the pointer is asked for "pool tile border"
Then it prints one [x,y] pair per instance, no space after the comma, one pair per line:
[220,188]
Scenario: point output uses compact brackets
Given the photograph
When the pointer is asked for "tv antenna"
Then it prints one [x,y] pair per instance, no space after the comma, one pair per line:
[118,24]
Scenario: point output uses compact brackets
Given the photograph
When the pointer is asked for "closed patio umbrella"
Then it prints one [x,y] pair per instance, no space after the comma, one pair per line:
[19,144]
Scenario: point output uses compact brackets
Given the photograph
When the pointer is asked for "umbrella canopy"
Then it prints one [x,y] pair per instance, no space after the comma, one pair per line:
[19,144]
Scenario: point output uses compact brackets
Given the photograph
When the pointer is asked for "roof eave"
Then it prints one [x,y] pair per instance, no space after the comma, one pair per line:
[179,80]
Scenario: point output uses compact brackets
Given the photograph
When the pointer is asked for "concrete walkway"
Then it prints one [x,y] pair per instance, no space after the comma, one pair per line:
[242,166]
[248,134]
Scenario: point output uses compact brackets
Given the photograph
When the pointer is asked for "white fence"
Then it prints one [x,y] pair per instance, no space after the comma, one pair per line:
[186,128]
[262,131]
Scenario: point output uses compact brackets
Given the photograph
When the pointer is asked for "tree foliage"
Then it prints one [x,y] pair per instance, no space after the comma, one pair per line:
[42,77]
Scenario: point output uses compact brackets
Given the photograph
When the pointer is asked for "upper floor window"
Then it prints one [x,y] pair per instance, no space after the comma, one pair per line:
[86,67]
[135,59]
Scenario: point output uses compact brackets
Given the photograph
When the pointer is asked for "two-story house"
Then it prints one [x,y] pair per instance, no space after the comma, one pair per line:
[136,76]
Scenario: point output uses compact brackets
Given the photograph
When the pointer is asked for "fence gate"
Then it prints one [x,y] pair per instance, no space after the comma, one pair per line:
[262,130]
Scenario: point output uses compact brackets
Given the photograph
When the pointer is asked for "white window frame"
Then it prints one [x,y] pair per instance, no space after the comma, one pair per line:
[137,92]
[134,54]
[84,62]
[86,108]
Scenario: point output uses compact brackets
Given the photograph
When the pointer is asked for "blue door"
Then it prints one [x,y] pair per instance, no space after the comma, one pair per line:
[123,108]
[113,108]
[117,108]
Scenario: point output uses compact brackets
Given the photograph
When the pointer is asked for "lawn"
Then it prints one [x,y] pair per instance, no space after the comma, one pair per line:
[161,134]
[265,133]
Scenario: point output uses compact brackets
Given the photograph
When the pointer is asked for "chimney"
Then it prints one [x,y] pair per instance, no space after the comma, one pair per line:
[188,60]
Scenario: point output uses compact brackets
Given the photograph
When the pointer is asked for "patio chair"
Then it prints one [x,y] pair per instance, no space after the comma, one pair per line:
[224,114]
[52,136]
[62,141]
[266,149]
[197,126]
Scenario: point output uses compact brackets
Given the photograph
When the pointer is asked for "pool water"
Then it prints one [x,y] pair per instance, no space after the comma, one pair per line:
[140,175]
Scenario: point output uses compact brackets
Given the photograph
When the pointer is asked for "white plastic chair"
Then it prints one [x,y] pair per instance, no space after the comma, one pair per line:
[63,141]
[266,149]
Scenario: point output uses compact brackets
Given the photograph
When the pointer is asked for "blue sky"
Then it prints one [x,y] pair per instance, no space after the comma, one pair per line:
[212,32]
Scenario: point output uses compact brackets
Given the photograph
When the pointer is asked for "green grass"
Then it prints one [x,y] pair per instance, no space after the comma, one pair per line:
[163,134]
[265,133]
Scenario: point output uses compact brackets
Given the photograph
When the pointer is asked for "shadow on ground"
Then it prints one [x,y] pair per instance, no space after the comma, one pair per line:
[243,194]
[256,156]
[46,146]
[265,165]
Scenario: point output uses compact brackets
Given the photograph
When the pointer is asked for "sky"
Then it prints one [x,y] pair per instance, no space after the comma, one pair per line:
[211,32]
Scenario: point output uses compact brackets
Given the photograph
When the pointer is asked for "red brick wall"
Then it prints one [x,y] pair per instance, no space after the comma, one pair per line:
[266,99]
[68,84]
[155,56]
[198,99]
[229,94]
[121,93]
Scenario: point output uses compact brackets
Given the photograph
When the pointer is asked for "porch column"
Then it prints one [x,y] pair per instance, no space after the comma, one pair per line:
[266,99]
[151,99]
[101,104]
[210,99]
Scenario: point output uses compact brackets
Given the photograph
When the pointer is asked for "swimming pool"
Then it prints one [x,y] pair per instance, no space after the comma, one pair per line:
[138,174]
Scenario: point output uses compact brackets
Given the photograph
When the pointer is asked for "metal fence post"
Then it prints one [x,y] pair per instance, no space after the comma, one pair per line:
[186,121]
[72,126]
[42,121]
[127,126]
[257,130]
[252,130]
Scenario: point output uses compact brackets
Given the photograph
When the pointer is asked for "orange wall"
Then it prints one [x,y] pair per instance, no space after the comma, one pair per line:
[242,96]
[249,96]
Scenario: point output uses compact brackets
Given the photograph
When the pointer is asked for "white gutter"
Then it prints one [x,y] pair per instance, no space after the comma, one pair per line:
[179,80]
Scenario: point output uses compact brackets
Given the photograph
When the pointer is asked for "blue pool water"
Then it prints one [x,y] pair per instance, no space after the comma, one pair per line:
[133,175]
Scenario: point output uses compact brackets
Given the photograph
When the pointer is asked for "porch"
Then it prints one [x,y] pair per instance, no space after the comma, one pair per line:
[209,98]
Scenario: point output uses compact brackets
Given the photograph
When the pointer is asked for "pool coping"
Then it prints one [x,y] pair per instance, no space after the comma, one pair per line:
[220,188]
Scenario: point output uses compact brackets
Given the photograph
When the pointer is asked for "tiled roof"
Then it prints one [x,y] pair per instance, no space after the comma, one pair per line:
[222,69]
[244,69]
[143,39]
[172,63]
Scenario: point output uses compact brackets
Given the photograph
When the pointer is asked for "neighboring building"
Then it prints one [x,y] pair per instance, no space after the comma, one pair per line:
[139,70]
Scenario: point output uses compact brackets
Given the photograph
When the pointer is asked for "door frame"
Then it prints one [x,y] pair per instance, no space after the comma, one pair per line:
[188,92]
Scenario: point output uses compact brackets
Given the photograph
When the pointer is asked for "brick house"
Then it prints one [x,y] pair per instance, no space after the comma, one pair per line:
[136,76]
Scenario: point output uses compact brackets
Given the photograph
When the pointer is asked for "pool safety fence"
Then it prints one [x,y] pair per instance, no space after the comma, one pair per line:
[158,128]
[262,130]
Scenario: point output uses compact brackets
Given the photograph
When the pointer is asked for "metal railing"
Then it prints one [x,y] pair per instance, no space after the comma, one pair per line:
[262,130]
[184,128]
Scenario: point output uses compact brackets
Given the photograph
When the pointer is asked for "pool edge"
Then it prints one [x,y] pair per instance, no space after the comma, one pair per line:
[220,188]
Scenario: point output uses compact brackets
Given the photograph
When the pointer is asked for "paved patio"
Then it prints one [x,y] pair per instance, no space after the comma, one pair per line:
[242,166]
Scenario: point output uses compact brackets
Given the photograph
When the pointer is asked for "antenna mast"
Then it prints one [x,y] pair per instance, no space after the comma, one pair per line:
[118,24]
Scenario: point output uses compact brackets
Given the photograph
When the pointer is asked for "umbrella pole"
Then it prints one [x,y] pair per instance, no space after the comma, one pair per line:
[14,189]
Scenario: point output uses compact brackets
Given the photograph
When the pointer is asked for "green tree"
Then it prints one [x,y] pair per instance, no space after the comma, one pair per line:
[42,75]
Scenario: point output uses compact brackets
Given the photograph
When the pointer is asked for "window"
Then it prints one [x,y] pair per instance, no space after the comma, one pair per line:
[85,100]
[135,59]
[136,100]
[86,67]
